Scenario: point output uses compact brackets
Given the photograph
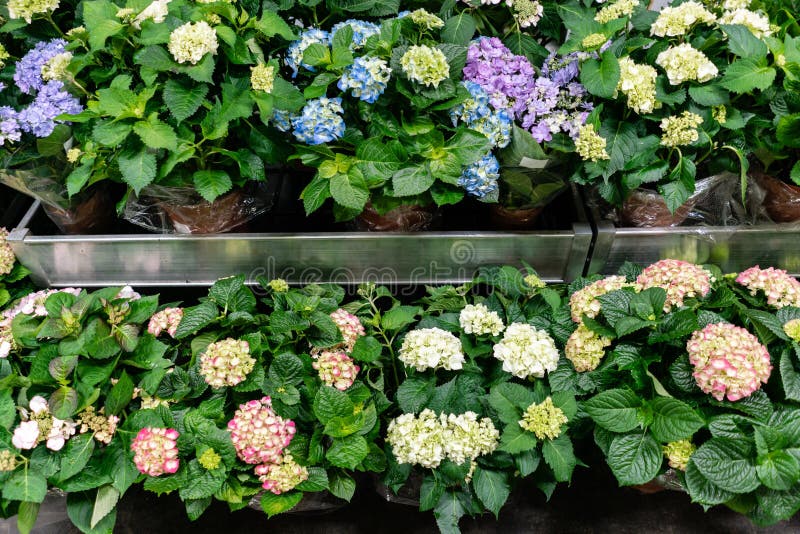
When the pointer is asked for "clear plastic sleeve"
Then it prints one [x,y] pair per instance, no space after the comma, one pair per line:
[404,218]
[781,200]
[181,210]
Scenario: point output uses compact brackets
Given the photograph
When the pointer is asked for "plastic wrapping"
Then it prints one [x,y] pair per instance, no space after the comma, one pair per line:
[781,200]
[181,210]
[717,201]
[52,516]
[667,481]
[404,218]
[89,212]
[408,494]
[316,503]
[509,219]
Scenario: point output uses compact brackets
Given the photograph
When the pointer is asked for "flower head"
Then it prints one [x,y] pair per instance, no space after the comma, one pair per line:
[616,10]
[593,40]
[366,78]
[638,84]
[534,282]
[466,437]
[584,301]
[680,129]
[477,114]
[349,326]
[426,20]
[479,320]
[258,434]
[7,258]
[336,369]
[680,279]
[8,461]
[39,118]
[590,145]
[294,55]
[719,113]
[155,451]
[320,121]
[526,12]
[56,67]
[156,11]
[684,63]
[33,303]
[26,435]
[74,154]
[544,419]
[10,128]
[26,9]
[28,73]
[192,41]
[209,460]
[508,79]
[226,362]
[757,24]
[362,30]
[7,341]
[167,320]
[262,77]
[282,476]
[431,348]
[728,361]
[678,453]
[791,328]
[279,285]
[425,65]
[481,177]
[780,288]
[678,20]
[526,351]
[585,349]
[101,426]
[417,440]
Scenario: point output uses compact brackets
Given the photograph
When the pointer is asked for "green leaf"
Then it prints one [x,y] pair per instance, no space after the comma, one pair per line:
[789,377]
[709,95]
[350,190]
[515,439]
[615,409]
[271,24]
[53,144]
[138,168]
[8,409]
[621,144]
[558,455]
[448,512]
[399,317]
[78,178]
[379,160]
[367,349]
[76,455]
[105,502]
[778,470]
[347,452]
[120,395]
[273,505]
[25,485]
[317,480]
[468,145]
[492,489]
[743,43]
[430,494]
[744,75]
[726,463]
[330,402]
[411,181]
[195,318]
[212,184]
[414,394]
[634,458]
[26,516]
[459,29]
[315,194]
[156,134]
[183,100]
[111,133]
[342,485]
[600,77]
[673,420]
[702,490]
[510,401]
[156,58]
[788,131]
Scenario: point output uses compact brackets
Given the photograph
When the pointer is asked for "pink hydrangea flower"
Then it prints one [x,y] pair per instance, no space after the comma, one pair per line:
[584,301]
[167,319]
[680,279]
[33,304]
[780,288]
[258,434]
[282,476]
[226,362]
[336,369]
[155,451]
[350,326]
[728,361]
[26,435]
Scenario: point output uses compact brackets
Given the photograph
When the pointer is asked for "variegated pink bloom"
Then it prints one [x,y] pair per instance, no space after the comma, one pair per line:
[780,288]
[336,369]
[680,279]
[155,451]
[167,319]
[258,434]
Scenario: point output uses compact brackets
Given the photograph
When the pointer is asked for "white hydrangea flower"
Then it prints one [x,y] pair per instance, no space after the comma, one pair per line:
[685,63]
[157,11]
[466,438]
[190,42]
[731,5]
[26,435]
[60,432]
[678,20]
[431,348]
[526,351]
[638,83]
[755,22]
[417,440]
[479,320]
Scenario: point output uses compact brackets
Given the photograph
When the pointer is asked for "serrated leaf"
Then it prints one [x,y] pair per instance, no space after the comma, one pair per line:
[411,181]
[273,505]
[746,74]
[615,409]
[349,190]
[212,184]
[726,463]
[559,456]
[600,76]
[414,394]
[155,133]
[105,501]
[779,470]
[634,458]
[196,318]
[138,168]
[25,485]
[673,420]
[183,101]
[492,489]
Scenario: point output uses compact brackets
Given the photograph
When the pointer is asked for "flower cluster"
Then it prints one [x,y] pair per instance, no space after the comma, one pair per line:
[685,63]
[425,65]
[39,425]
[362,30]
[680,279]
[544,419]
[7,258]
[226,362]
[33,303]
[294,55]
[638,84]
[425,20]
[8,461]
[527,13]
[320,121]
[480,178]
[479,320]
[282,476]
[534,282]
[584,301]
[209,460]
[507,78]
[26,9]
[427,440]
[336,369]
[366,78]
[585,349]
[167,320]
[678,453]
[279,285]
[431,348]
[678,20]
[476,113]
[756,23]
[101,426]
[780,288]
[792,329]
[349,326]
[680,129]
[728,361]
[526,351]
[590,145]
[262,77]
[616,10]
[156,11]
[190,42]
[258,434]
[155,451]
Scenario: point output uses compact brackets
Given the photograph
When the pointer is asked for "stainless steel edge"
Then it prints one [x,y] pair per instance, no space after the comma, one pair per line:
[580,251]
[603,240]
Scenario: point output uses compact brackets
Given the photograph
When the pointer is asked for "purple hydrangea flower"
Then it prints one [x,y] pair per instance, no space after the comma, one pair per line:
[51,101]
[9,126]
[28,75]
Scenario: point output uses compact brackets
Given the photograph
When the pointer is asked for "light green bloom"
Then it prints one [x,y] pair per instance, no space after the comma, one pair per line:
[425,65]
[544,420]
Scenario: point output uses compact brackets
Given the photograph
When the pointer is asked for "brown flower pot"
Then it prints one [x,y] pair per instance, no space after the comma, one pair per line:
[226,213]
[93,215]
[504,218]
[647,209]
[405,218]
[667,481]
[781,200]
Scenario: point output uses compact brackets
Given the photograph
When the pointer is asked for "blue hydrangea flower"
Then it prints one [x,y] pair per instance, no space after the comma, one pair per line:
[476,113]
[320,121]
[28,75]
[362,30]
[9,126]
[282,120]
[480,178]
[294,55]
[51,101]
[366,78]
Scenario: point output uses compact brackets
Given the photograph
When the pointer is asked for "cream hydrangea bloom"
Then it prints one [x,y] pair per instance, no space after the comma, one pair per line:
[465,437]
[618,9]
[425,65]
[680,130]
[26,9]
[638,83]
[479,320]
[685,63]
[426,20]
[678,20]
[192,41]
[590,145]
[678,453]
[157,11]
[526,351]
[544,419]
[56,66]
[755,22]
[417,440]
[431,348]
[262,78]
[585,349]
